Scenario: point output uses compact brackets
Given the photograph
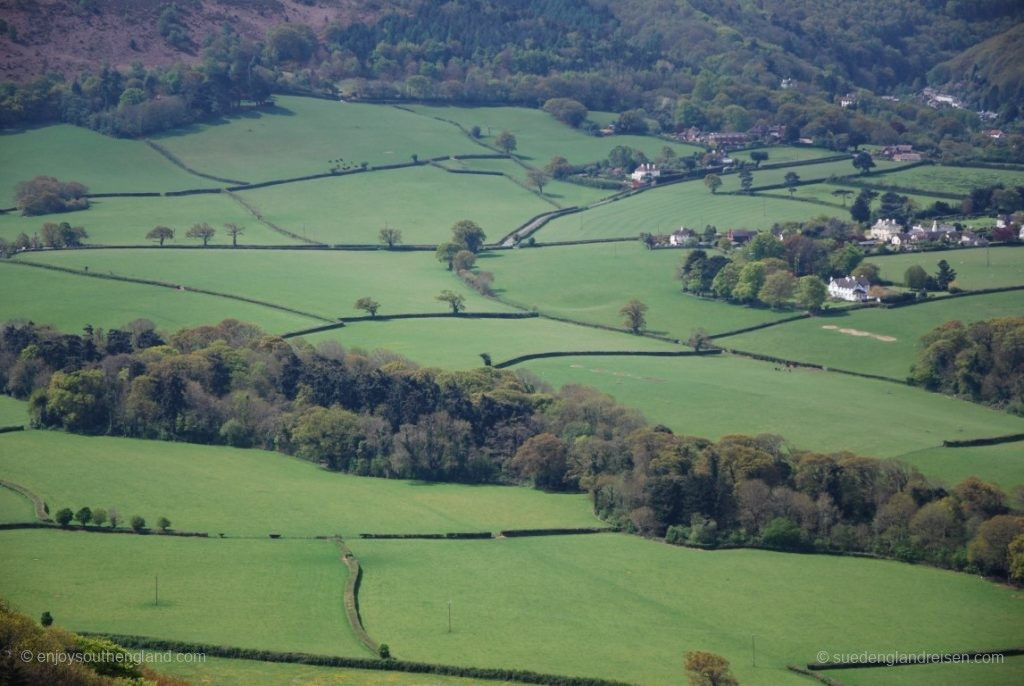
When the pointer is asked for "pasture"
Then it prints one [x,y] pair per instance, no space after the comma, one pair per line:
[126,221]
[942,179]
[12,412]
[1001,464]
[665,209]
[15,507]
[562,193]
[280,595]
[253,492]
[302,136]
[770,177]
[70,302]
[458,342]
[423,202]
[785,153]
[976,268]
[1006,674]
[813,410]
[823,192]
[878,341]
[591,282]
[622,607]
[221,672]
[104,164]
[539,136]
[326,283]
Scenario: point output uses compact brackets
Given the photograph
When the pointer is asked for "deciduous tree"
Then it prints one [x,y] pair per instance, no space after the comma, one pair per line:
[390,236]
[202,231]
[713,182]
[468,234]
[368,305]
[634,312]
[506,141]
[454,300]
[160,233]
[707,669]
[234,230]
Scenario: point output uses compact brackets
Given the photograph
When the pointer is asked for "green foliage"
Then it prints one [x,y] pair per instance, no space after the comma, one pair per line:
[163,524]
[632,122]
[368,305]
[47,195]
[138,524]
[506,141]
[46,619]
[83,516]
[566,110]
[783,533]
[468,235]
[64,516]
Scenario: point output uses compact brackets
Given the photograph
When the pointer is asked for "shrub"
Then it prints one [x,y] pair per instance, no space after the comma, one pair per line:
[45,195]
[46,619]
[64,516]
[782,533]
[138,524]
[163,524]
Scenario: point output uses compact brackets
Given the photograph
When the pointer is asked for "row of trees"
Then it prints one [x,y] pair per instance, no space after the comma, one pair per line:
[200,231]
[47,195]
[378,414]
[100,516]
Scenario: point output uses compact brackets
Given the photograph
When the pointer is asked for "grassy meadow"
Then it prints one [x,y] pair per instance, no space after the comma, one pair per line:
[591,283]
[70,302]
[12,412]
[959,180]
[621,607]
[1006,674]
[104,164]
[713,396]
[253,492]
[785,153]
[301,136]
[15,507]
[279,595]
[562,193]
[663,210]
[403,282]
[539,136]
[458,343]
[1001,464]
[423,202]
[885,342]
[126,221]
[976,268]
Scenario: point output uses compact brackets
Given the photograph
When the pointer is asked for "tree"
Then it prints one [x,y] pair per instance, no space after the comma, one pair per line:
[765,245]
[863,161]
[751,278]
[544,460]
[945,276]
[446,253]
[778,288]
[160,233]
[469,235]
[233,230]
[390,237]
[506,141]
[64,516]
[989,549]
[558,168]
[713,182]
[707,669]
[791,180]
[811,292]
[843,193]
[46,619]
[758,156]
[632,121]
[538,179]
[99,516]
[1016,554]
[202,231]
[566,110]
[746,180]
[138,524]
[163,524]
[463,260]
[860,210]
[62,235]
[454,300]
[114,516]
[46,195]
[867,270]
[915,278]
[633,311]
[368,305]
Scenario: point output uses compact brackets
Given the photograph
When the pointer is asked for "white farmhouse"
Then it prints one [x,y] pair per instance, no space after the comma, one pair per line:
[854,289]
[885,229]
[645,173]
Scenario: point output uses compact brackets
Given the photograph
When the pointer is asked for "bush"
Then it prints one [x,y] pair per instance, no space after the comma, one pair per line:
[782,533]
[138,524]
[64,516]
[46,195]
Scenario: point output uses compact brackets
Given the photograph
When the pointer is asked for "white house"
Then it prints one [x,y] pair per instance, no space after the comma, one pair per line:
[645,173]
[682,236]
[1021,235]
[854,289]
[885,229]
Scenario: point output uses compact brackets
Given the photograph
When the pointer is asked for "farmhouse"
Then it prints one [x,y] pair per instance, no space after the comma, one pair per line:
[885,229]
[682,236]
[740,236]
[645,173]
[854,289]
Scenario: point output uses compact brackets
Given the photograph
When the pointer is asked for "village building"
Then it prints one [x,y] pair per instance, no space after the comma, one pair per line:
[682,236]
[740,236]
[885,229]
[853,289]
[645,173]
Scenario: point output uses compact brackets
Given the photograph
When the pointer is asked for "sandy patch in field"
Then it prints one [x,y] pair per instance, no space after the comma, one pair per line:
[622,375]
[858,332]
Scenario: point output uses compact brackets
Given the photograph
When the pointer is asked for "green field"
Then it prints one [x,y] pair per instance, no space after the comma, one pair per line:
[621,607]
[1001,464]
[70,302]
[104,164]
[457,343]
[822,192]
[862,340]
[785,153]
[12,412]
[713,396]
[252,492]
[423,202]
[126,221]
[15,507]
[402,282]
[301,136]
[1006,674]
[770,177]
[663,210]
[976,268]
[539,136]
[563,193]
[275,595]
[959,180]
[220,672]
[591,282]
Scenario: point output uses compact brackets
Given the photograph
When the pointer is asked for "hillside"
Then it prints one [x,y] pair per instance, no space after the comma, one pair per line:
[990,73]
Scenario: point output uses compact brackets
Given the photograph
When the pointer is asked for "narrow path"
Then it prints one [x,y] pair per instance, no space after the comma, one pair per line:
[173,159]
[258,216]
[37,503]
